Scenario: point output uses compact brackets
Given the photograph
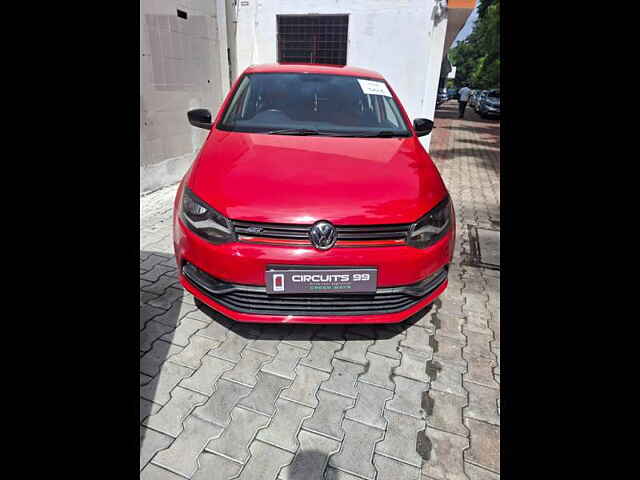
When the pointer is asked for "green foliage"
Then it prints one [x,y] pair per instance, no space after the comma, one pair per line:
[477,58]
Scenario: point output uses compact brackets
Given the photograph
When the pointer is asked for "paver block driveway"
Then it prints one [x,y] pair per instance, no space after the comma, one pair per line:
[416,400]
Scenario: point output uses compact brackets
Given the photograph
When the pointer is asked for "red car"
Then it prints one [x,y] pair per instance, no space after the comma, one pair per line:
[313,201]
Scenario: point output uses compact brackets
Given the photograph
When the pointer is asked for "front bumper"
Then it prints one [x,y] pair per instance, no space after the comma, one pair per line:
[243,265]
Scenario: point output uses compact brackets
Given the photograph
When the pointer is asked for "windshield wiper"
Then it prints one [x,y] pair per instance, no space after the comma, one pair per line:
[294,131]
[381,133]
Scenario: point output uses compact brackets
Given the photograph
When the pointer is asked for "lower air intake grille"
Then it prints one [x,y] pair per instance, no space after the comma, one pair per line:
[255,300]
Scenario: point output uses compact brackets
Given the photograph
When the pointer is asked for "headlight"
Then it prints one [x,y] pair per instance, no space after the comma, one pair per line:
[204,220]
[432,227]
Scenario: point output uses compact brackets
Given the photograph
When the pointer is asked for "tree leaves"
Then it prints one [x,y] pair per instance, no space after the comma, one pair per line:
[477,58]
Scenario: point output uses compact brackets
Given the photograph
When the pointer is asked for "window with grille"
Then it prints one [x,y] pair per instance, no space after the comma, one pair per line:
[313,38]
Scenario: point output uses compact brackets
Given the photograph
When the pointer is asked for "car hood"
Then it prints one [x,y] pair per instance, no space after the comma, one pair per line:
[303,179]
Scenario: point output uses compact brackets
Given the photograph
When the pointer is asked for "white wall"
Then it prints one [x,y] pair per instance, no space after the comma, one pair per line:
[401,39]
[183,65]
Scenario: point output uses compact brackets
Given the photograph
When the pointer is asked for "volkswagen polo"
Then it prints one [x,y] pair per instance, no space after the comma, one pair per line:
[312,200]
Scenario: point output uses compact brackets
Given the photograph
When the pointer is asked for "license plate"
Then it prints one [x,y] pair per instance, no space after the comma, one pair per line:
[362,280]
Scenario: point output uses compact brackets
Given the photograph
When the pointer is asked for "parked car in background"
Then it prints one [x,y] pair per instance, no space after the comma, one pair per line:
[442,97]
[312,200]
[474,98]
[490,104]
[479,98]
[453,93]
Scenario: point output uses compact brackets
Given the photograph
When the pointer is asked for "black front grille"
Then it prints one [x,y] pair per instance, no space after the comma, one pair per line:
[301,232]
[255,300]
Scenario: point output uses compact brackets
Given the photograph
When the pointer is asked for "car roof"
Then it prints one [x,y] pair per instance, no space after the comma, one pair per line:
[313,68]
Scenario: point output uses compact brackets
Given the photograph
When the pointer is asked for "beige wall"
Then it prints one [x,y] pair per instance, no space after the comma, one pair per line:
[183,64]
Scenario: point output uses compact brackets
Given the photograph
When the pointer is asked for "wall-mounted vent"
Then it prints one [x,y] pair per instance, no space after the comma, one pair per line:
[313,38]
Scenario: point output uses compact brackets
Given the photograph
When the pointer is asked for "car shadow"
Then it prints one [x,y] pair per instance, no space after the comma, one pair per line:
[159,317]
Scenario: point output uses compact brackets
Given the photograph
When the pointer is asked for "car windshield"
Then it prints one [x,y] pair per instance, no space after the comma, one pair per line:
[295,103]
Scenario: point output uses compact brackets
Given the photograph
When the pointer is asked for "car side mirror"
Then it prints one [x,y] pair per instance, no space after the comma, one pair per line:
[200,117]
[422,126]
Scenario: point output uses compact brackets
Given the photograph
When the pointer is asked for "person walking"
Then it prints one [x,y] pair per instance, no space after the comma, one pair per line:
[464,93]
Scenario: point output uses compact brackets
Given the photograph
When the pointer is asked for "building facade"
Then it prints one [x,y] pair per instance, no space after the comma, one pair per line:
[192,51]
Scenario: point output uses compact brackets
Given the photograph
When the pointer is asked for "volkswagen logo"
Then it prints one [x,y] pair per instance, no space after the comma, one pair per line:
[323,235]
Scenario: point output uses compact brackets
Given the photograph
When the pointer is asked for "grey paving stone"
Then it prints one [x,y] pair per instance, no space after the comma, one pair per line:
[162,284]
[335,474]
[417,339]
[159,388]
[379,371]
[390,469]
[167,299]
[478,323]
[311,458]
[176,313]
[446,412]
[214,466]
[425,322]
[449,353]
[151,332]
[226,396]
[478,345]
[343,378]
[235,439]
[153,472]
[356,454]
[191,356]
[144,379]
[214,331]
[146,297]
[205,378]
[407,397]
[450,325]
[485,445]
[448,379]
[151,261]
[263,397]
[151,361]
[232,346]
[265,462]
[268,346]
[300,336]
[285,362]
[402,432]
[369,405]
[480,370]
[305,385]
[445,459]
[327,418]
[475,302]
[181,335]
[321,354]
[483,403]
[147,312]
[388,346]
[285,425]
[170,417]
[476,473]
[181,457]
[147,408]
[151,442]
[354,349]
[413,365]
[246,369]
[154,274]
